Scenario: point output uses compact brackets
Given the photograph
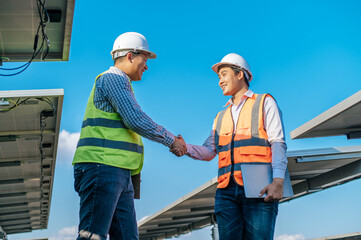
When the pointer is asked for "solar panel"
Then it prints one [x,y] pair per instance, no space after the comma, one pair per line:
[342,119]
[29,133]
[349,236]
[19,21]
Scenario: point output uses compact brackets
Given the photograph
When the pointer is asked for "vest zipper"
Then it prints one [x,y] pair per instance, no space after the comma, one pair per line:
[232,148]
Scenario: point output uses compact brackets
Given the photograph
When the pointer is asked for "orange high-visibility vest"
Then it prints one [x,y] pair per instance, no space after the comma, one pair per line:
[248,144]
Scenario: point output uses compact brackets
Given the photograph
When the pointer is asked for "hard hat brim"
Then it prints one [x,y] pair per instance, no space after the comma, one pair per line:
[151,55]
[216,66]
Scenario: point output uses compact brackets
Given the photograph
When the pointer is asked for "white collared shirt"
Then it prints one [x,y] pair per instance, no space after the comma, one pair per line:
[272,124]
[272,117]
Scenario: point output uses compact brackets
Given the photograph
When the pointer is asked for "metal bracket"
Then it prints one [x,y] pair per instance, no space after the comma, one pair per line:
[353,135]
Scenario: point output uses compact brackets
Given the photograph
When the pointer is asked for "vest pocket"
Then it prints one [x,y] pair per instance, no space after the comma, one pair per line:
[243,133]
[225,138]
[252,154]
[252,150]
[223,180]
[224,159]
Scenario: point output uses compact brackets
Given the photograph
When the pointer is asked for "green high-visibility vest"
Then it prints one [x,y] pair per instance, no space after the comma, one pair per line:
[105,139]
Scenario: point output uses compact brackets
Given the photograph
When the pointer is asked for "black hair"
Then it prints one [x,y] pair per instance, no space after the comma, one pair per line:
[236,71]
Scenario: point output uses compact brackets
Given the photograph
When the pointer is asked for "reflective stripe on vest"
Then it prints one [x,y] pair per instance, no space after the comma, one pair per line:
[250,140]
[245,142]
[103,122]
[105,139]
[237,167]
[97,142]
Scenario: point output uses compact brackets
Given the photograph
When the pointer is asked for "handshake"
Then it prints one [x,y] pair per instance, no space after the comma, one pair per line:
[178,147]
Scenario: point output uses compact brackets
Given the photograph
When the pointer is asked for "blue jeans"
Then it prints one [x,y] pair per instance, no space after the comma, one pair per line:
[241,218]
[106,202]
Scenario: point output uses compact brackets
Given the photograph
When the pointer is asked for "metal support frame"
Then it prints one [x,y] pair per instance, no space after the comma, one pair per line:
[2,234]
[337,176]
[215,234]
[354,135]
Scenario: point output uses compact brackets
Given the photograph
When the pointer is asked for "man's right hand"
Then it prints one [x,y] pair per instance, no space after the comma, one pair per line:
[178,147]
[274,190]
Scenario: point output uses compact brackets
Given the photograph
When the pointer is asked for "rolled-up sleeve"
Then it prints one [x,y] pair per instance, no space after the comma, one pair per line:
[205,152]
[118,91]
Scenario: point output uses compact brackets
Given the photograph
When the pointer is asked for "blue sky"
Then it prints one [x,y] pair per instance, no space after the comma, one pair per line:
[307,54]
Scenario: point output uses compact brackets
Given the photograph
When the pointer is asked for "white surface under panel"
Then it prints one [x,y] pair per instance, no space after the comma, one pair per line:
[342,119]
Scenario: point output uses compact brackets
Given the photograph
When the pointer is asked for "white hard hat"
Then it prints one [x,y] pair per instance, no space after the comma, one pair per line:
[234,60]
[131,41]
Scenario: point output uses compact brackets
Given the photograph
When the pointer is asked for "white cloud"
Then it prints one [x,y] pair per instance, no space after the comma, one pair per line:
[67,233]
[290,237]
[67,146]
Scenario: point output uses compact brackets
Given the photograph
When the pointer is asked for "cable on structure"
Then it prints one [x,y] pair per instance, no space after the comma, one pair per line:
[18,103]
[44,19]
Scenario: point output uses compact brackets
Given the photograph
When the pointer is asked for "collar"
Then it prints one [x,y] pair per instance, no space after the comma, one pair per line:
[246,95]
[117,70]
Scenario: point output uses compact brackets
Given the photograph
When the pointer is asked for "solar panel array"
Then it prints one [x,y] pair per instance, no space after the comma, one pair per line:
[27,157]
[310,171]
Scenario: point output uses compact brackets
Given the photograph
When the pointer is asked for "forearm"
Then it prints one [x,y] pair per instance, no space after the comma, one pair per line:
[274,127]
[200,152]
[147,128]
[205,152]
[279,159]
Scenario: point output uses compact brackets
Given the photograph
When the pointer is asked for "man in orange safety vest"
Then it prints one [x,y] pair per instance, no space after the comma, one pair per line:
[248,131]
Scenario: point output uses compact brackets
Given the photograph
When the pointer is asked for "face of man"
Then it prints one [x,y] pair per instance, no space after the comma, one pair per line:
[229,82]
[138,66]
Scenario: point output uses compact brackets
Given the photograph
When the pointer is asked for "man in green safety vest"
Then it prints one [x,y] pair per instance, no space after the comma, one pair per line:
[110,148]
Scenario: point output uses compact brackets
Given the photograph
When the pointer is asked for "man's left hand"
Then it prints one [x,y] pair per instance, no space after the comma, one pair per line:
[274,190]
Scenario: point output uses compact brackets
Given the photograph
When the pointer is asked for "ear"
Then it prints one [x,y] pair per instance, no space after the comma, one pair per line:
[240,75]
[129,57]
